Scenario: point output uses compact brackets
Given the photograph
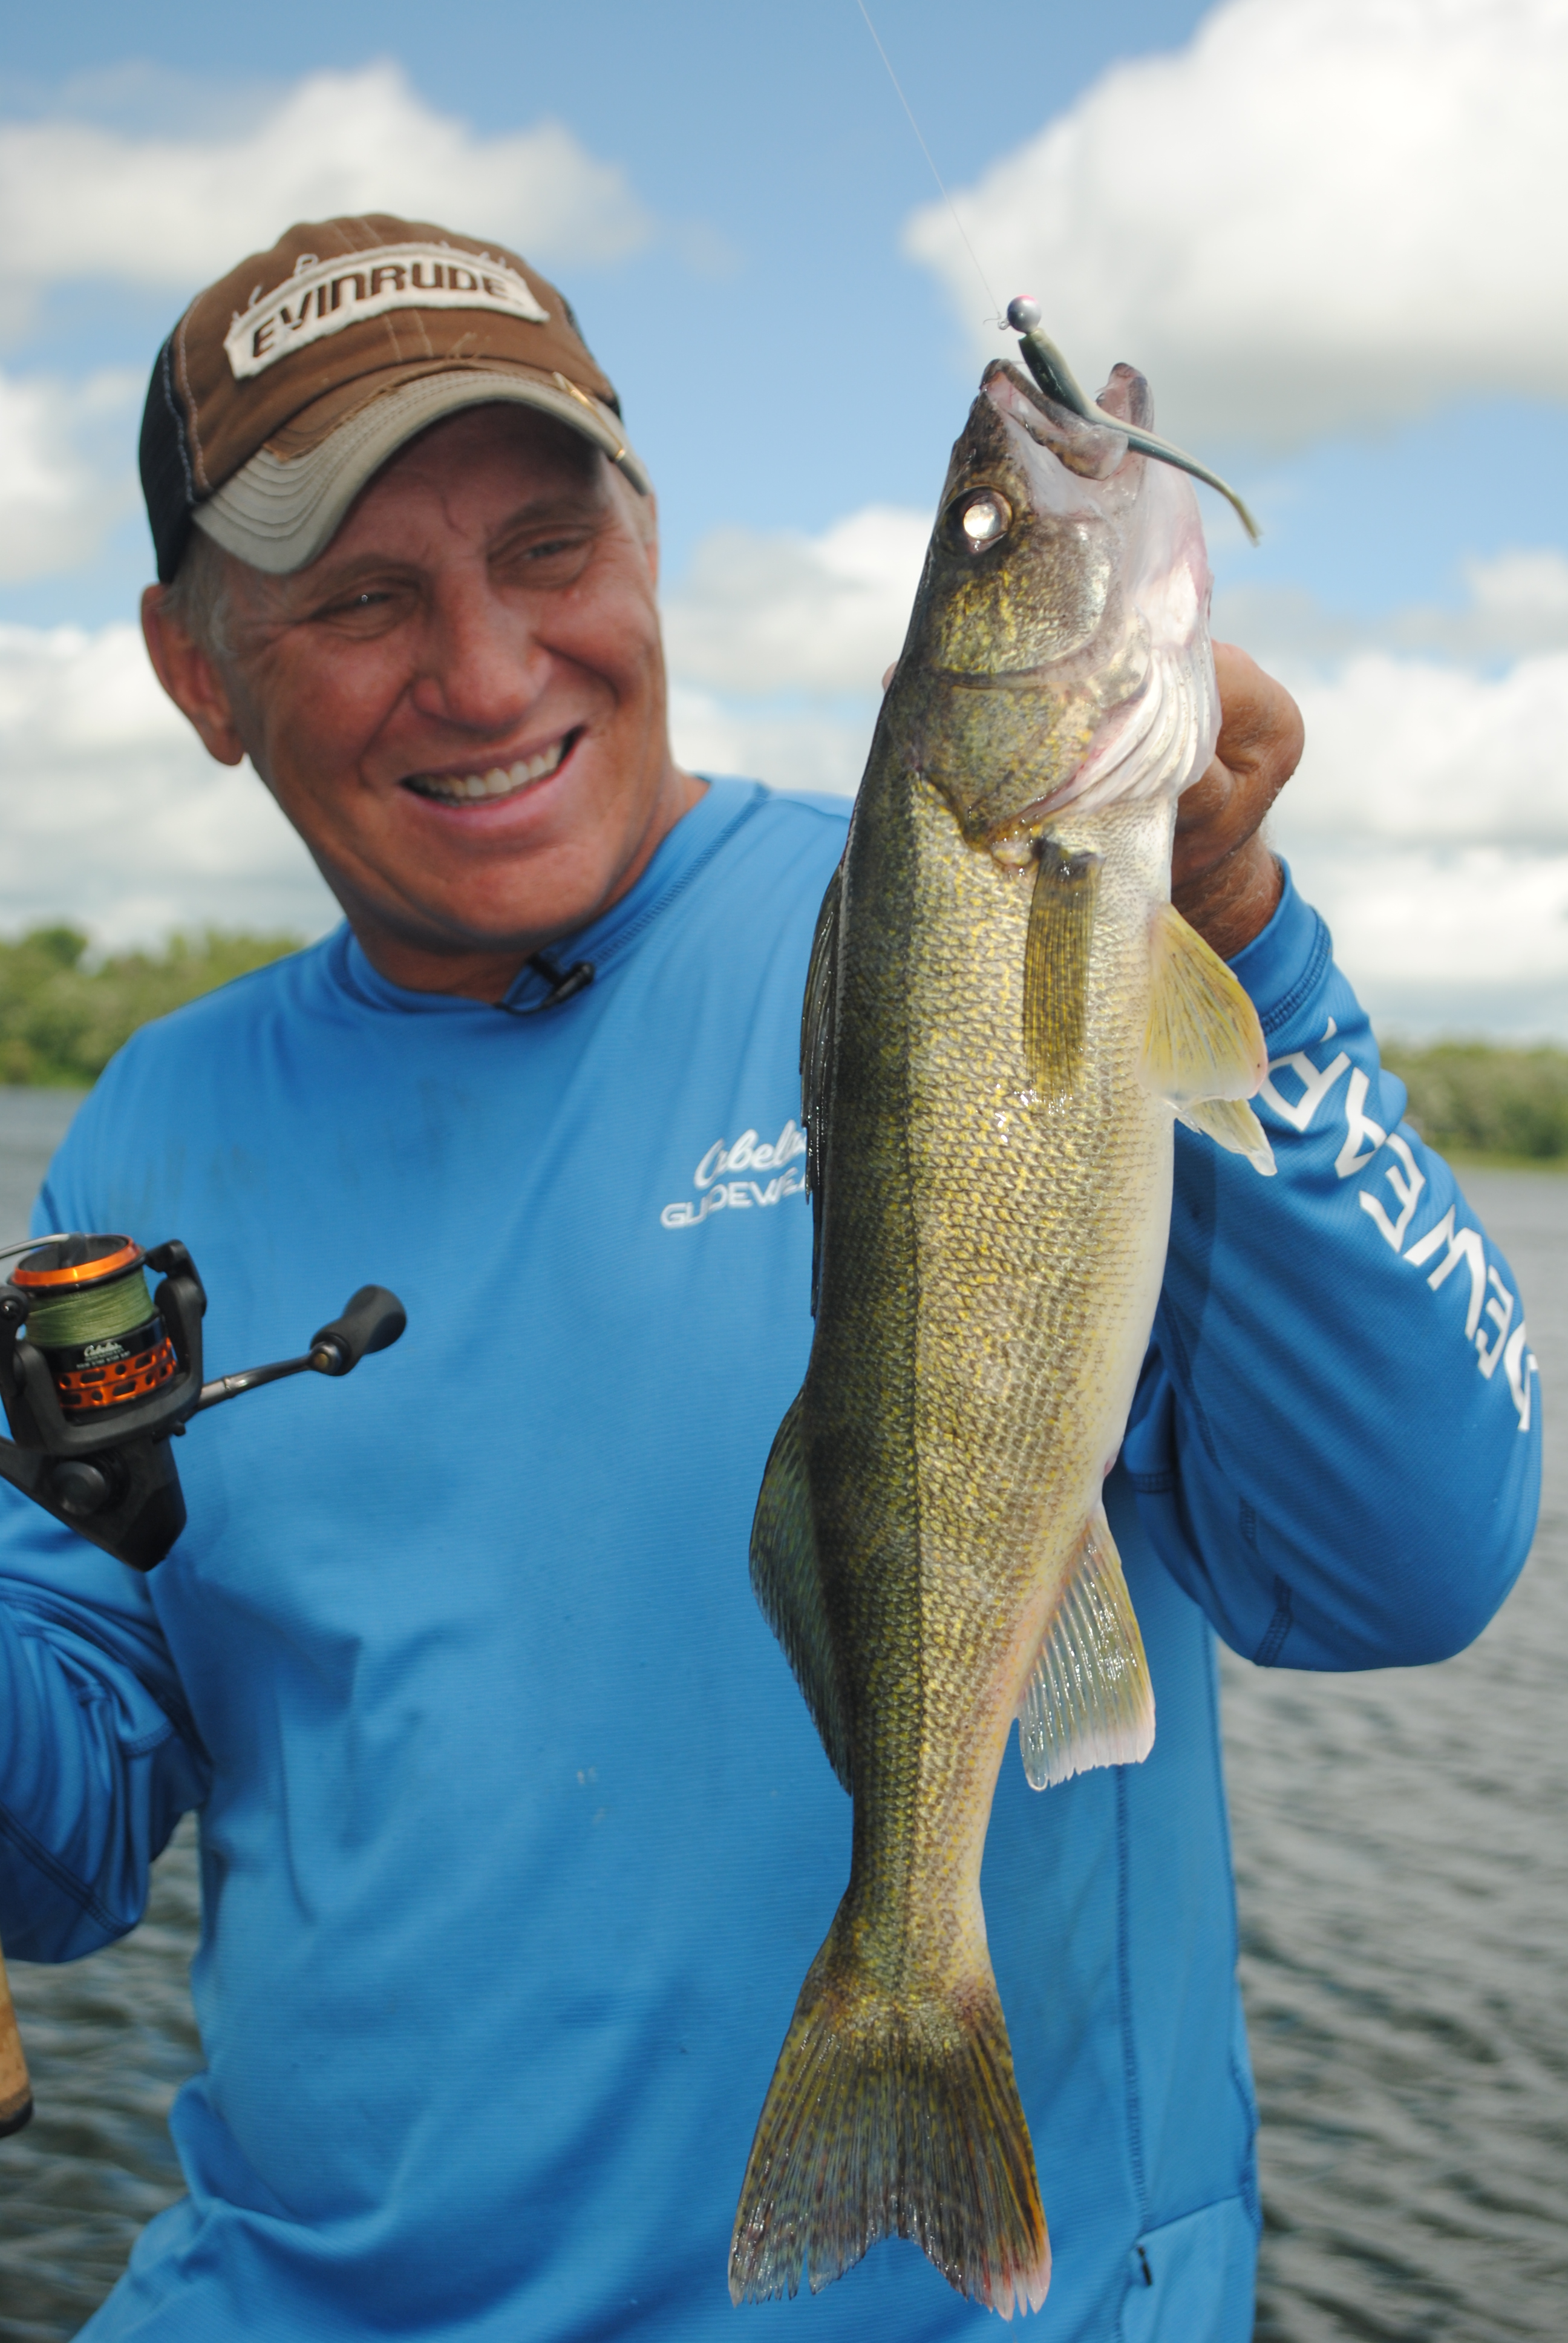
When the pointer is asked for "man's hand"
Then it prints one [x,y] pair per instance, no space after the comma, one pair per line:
[1224,879]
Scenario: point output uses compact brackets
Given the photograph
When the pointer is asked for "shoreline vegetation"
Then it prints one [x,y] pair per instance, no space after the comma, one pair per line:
[66,1009]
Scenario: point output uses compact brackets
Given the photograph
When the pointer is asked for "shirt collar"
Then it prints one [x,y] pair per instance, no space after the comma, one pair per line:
[678,858]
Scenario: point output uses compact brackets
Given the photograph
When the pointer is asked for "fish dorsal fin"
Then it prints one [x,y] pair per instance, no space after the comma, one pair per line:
[1203,1050]
[788,1584]
[818,1015]
[1056,967]
[1089,1701]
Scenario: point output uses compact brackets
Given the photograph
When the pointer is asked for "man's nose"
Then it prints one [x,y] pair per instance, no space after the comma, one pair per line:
[484,666]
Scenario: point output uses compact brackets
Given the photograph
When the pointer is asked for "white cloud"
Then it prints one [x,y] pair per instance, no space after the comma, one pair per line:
[1429,823]
[1516,604]
[81,201]
[778,642]
[114,815]
[54,506]
[1317,214]
[1412,750]
[760,613]
[790,749]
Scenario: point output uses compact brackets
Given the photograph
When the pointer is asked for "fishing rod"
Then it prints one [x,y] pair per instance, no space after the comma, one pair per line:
[98,1376]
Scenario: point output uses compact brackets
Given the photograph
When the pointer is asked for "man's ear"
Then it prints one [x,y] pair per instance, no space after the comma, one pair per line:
[189,677]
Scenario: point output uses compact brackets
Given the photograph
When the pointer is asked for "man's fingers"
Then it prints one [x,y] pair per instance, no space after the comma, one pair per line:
[1261,731]
[1259,748]
[1222,877]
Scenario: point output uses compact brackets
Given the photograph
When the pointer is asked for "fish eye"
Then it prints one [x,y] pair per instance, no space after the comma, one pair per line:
[979,519]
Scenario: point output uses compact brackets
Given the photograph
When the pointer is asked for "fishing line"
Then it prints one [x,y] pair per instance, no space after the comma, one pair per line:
[95,1316]
[997,317]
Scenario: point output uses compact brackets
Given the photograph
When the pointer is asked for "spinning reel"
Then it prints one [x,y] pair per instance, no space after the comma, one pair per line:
[97,1374]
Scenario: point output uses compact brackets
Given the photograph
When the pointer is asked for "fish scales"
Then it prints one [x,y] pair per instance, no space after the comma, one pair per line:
[990,1076]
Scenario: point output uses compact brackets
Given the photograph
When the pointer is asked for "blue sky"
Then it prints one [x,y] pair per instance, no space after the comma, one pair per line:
[795,349]
[769,148]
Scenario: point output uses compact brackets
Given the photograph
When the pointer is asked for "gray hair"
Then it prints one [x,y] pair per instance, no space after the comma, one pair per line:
[200,599]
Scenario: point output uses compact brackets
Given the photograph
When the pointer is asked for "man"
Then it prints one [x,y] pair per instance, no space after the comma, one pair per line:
[517,1839]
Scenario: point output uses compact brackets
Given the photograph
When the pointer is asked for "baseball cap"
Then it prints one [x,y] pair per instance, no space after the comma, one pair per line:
[290,381]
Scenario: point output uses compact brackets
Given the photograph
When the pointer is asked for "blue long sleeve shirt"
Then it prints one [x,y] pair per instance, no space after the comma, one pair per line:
[516,1837]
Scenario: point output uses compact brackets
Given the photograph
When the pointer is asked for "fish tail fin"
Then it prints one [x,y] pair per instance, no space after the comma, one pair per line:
[887,2118]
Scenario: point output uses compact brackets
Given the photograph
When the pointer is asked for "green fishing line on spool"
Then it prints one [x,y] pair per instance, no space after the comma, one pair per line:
[68,1320]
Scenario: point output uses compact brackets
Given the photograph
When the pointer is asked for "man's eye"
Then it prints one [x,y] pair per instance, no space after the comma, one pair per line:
[551,549]
[366,604]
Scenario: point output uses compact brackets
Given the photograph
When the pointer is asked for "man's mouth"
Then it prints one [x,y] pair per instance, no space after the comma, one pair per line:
[498,781]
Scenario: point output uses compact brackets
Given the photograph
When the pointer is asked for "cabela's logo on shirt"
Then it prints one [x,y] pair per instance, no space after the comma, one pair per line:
[720,1190]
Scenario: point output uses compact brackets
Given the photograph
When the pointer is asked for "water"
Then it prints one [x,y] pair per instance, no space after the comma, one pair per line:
[1404,1881]
[1402,1869]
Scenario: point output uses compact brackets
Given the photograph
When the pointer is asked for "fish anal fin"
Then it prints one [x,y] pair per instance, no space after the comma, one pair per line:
[1232,1124]
[788,1584]
[1089,1700]
[1056,967]
[1203,1040]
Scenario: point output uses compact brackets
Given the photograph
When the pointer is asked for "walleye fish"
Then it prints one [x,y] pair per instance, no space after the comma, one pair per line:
[1003,1014]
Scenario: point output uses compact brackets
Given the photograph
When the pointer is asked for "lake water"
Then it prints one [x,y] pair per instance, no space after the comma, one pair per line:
[1403,1865]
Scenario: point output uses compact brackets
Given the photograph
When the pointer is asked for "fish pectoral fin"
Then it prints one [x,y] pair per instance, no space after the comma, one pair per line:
[1203,1048]
[1056,967]
[788,1583]
[1089,1701]
[818,1015]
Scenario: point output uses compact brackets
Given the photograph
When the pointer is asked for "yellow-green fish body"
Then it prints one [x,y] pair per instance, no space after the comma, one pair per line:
[1000,1016]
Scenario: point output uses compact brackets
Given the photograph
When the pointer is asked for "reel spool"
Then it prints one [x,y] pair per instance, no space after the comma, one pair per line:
[90,1315]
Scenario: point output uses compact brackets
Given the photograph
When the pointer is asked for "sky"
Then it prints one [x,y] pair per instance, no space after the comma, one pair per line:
[1333,233]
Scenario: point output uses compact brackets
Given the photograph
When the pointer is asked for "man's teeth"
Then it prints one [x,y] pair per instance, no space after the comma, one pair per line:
[457,788]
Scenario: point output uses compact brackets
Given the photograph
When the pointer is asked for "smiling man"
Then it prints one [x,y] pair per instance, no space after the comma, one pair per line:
[515,1835]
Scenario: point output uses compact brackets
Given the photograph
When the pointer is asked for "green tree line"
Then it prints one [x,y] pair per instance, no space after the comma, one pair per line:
[64,1013]
[1467,1098]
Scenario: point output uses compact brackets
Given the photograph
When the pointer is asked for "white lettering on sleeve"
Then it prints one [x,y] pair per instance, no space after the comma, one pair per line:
[1407,1186]
[1315,1086]
[1464,1246]
[1519,1365]
[1359,1125]
[1501,1312]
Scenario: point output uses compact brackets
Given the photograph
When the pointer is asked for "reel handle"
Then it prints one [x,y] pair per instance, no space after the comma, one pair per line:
[372,1321]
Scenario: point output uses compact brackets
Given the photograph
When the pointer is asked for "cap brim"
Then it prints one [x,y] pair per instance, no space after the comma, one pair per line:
[278,515]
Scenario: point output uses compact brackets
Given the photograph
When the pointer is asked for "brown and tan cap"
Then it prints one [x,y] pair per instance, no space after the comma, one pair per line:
[288,383]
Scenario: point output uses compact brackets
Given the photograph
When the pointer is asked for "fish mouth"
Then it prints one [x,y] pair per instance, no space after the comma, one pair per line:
[495,782]
[1093,451]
